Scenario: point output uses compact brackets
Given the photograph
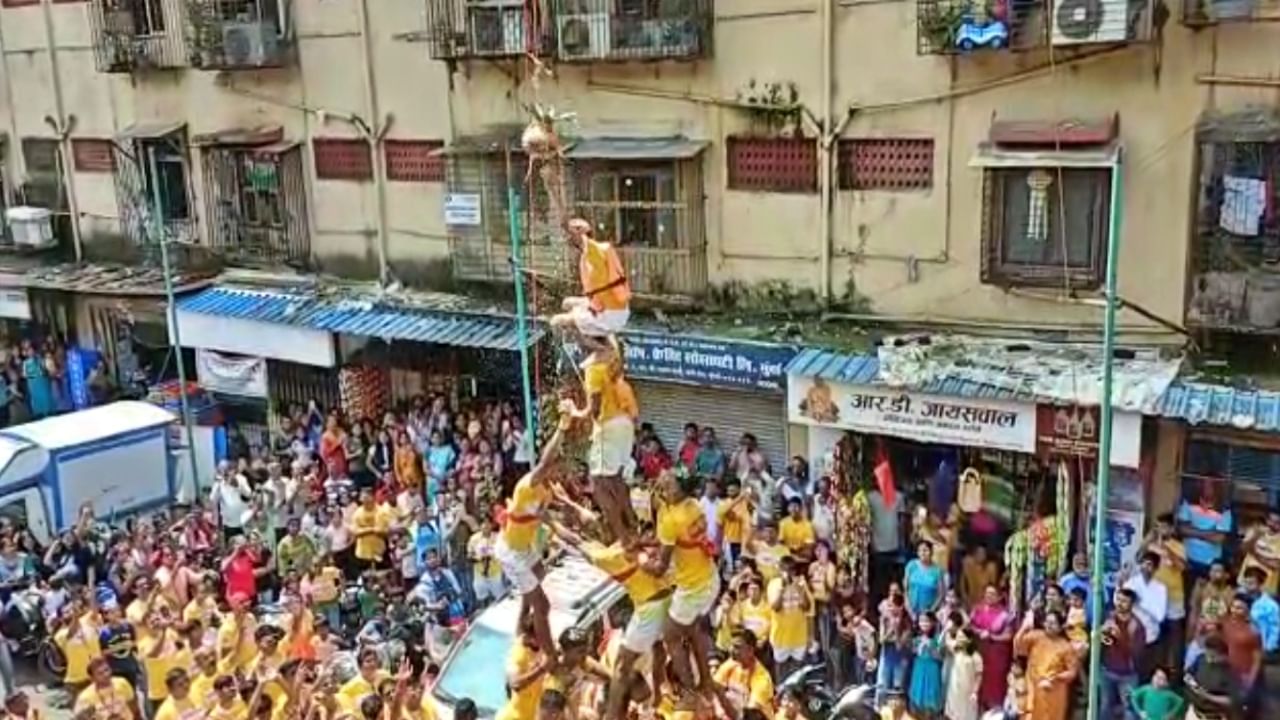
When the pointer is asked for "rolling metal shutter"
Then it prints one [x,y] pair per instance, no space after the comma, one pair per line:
[668,406]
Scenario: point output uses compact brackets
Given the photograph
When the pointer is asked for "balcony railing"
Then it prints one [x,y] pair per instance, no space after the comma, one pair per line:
[949,27]
[133,35]
[255,202]
[1199,13]
[241,34]
[622,30]
[572,30]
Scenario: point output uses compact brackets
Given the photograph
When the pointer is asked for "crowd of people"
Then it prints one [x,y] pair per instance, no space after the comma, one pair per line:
[327,576]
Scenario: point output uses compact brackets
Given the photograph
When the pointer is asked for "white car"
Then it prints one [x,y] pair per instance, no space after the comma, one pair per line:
[581,596]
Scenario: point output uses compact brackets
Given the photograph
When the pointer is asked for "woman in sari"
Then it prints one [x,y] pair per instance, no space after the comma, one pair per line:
[993,624]
[333,449]
[39,388]
[1051,667]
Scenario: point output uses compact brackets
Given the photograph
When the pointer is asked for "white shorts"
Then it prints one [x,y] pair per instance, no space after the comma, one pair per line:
[598,324]
[689,605]
[781,655]
[488,588]
[646,625]
[611,445]
[518,566]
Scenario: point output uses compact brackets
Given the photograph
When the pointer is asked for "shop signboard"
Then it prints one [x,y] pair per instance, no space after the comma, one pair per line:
[232,374]
[14,304]
[1073,431]
[707,361]
[968,422]
[1124,526]
[462,209]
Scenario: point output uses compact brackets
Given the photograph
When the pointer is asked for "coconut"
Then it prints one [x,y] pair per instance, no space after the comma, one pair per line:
[538,138]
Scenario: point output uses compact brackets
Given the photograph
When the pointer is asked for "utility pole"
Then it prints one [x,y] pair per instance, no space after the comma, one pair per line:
[522,321]
[1102,489]
[157,230]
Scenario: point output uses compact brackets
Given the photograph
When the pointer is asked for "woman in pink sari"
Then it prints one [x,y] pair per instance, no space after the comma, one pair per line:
[993,624]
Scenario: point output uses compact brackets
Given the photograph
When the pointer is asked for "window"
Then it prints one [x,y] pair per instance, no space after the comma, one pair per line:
[632,205]
[43,182]
[342,159]
[165,175]
[890,164]
[142,17]
[773,164]
[1245,476]
[92,155]
[1045,226]
[414,160]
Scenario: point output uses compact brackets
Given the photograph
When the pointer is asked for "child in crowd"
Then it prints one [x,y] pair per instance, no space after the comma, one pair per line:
[926,693]
[1017,698]
[1155,700]
[1077,626]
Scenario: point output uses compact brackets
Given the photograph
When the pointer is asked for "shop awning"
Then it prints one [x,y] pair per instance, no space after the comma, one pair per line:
[646,148]
[354,314]
[150,130]
[864,369]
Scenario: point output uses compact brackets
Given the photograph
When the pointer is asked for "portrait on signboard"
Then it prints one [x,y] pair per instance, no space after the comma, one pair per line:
[818,404]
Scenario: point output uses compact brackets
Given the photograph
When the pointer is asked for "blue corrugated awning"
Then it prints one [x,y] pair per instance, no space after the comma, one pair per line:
[369,317]
[1199,403]
[864,369]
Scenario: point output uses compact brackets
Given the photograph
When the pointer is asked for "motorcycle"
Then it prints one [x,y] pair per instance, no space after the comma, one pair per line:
[23,626]
[819,701]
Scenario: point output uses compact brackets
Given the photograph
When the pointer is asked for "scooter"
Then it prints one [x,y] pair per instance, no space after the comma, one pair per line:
[821,702]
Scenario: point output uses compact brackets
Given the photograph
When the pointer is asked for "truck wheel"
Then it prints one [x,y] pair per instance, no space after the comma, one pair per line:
[50,660]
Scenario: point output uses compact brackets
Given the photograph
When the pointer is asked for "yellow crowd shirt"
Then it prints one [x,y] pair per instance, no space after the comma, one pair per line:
[264,665]
[524,514]
[1173,559]
[758,618]
[480,550]
[1268,547]
[159,664]
[598,378]
[371,547]
[613,559]
[790,629]
[728,620]
[747,688]
[326,585]
[769,560]
[237,710]
[683,527]
[236,648]
[78,650]
[110,703]
[734,515]
[796,535]
[523,703]
[355,689]
[184,709]
[136,614]
[203,610]
[202,689]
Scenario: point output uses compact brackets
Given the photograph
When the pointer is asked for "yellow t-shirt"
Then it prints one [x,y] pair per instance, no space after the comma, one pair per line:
[598,379]
[734,515]
[790,629]
[596,276]
[822,578]
[111,703]
[769,560]
[158,667]
[236,649]
[370,547]
[524,514]
[480,550]
[203,610]
[238,710]
[1170,572]
[273,689]
[747,688]
[1268,546]
[136,615]
[184,709]
[79,650]
[684,527]
[727,622]
[355,690]
[202,689]
[758,618]
[326,585]
[523,703]
[796,534]
[613,559]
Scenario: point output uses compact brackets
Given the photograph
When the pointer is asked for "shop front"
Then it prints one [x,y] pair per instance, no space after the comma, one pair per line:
[733,386]
[978,467]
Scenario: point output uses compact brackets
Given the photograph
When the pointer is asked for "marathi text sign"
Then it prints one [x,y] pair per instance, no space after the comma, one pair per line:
[706,361]
[967,422]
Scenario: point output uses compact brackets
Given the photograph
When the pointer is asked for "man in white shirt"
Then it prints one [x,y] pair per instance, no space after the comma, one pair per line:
[710,502]
[1151,609]
[231,496]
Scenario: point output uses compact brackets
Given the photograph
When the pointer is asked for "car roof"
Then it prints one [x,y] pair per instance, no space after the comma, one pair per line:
[575,589]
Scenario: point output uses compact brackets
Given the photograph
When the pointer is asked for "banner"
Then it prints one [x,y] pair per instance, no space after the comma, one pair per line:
[232,374]
[968,422]
[707,361]
[1074,431]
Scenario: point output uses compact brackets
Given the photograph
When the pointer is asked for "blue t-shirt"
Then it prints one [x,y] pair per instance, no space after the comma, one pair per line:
[1203,552]
[923,585]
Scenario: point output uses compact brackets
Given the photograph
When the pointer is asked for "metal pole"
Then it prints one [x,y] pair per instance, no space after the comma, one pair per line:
[522,323]
[158,231]
[1103,487]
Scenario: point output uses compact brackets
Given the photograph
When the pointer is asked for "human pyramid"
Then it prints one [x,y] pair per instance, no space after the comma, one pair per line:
[668,570]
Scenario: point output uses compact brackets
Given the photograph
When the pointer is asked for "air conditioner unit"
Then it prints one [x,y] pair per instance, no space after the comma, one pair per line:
[250,44]
[31,227]
[496,28]
[1083,22]
[584,34]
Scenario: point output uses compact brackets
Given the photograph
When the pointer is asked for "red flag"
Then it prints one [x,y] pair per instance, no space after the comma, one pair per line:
[884,480]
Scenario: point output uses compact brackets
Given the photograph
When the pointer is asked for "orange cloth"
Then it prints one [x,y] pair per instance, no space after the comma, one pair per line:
[1051,659]
[604,282]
